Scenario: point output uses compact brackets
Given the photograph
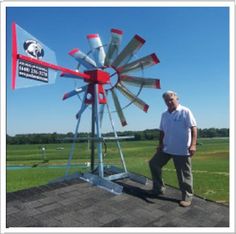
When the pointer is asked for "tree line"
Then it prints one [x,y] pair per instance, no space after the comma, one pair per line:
[148,134]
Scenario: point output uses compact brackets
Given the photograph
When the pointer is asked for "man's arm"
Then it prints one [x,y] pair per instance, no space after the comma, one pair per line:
[192,148]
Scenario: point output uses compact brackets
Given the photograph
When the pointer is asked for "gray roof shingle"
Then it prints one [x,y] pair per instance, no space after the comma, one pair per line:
[79,204]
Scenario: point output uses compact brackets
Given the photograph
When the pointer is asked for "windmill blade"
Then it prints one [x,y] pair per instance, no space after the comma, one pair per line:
[139,64]
[127,53]
[139,81]
[118,108]
[83,59]
[134,99]
[97,48]
[113,48]
[74,92]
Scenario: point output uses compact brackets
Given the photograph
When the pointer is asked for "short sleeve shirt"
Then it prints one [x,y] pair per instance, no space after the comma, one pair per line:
[177,130]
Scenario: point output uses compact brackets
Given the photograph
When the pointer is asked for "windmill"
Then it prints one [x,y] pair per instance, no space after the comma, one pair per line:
[33,61]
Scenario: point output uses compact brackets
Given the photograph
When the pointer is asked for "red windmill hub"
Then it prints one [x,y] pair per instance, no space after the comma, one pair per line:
[96,77]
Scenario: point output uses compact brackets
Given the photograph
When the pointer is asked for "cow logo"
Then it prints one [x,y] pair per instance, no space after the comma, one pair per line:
[33,49]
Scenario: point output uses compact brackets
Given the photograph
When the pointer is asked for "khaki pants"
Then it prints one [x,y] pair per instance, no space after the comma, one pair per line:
[183,170]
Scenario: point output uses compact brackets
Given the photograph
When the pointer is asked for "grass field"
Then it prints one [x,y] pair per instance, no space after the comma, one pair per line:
[210,164]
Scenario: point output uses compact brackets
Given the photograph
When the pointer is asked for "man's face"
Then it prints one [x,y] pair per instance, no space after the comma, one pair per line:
[171,101]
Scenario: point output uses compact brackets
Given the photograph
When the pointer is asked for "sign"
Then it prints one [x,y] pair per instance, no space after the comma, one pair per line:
[32,71]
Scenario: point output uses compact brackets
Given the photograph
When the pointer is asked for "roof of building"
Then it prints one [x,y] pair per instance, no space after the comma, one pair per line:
[77,203]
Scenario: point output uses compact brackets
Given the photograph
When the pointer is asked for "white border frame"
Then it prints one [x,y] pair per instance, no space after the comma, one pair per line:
[88,3]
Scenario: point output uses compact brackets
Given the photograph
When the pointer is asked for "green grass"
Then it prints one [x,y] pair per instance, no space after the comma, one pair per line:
[210,164]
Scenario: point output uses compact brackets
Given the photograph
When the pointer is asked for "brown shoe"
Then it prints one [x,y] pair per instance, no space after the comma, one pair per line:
[185,203]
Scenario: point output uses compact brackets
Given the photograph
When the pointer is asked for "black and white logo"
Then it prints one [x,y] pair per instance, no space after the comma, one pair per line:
[33,49]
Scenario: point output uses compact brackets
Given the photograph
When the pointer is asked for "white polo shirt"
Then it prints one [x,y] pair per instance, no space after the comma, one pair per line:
[177,133]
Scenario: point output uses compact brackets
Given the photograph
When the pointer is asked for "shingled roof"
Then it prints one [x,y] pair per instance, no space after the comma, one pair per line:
[79,204]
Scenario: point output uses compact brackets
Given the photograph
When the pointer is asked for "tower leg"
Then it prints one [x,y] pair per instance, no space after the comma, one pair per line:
[98,132]
[92,149]
[117,140]
[68,177]
[82,109]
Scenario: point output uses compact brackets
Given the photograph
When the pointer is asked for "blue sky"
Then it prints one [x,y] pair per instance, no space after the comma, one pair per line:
[192,44]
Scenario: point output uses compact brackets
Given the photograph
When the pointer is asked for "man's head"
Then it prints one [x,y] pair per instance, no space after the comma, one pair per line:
[171,99]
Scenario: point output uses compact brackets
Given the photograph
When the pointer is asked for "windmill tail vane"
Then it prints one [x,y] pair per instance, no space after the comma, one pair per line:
[103,69]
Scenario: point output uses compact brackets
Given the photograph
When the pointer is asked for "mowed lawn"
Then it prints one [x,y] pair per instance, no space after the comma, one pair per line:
[210,164]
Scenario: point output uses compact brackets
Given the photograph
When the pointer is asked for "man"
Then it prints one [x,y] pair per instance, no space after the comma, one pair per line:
[178,138]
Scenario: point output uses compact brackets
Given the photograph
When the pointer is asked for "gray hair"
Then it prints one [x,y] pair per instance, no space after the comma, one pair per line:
[169,92]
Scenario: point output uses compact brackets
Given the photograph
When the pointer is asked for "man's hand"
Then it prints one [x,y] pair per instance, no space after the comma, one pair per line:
[192,150]
[159,148]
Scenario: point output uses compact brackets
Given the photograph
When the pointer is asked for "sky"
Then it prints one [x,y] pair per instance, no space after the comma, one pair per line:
[192,44]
